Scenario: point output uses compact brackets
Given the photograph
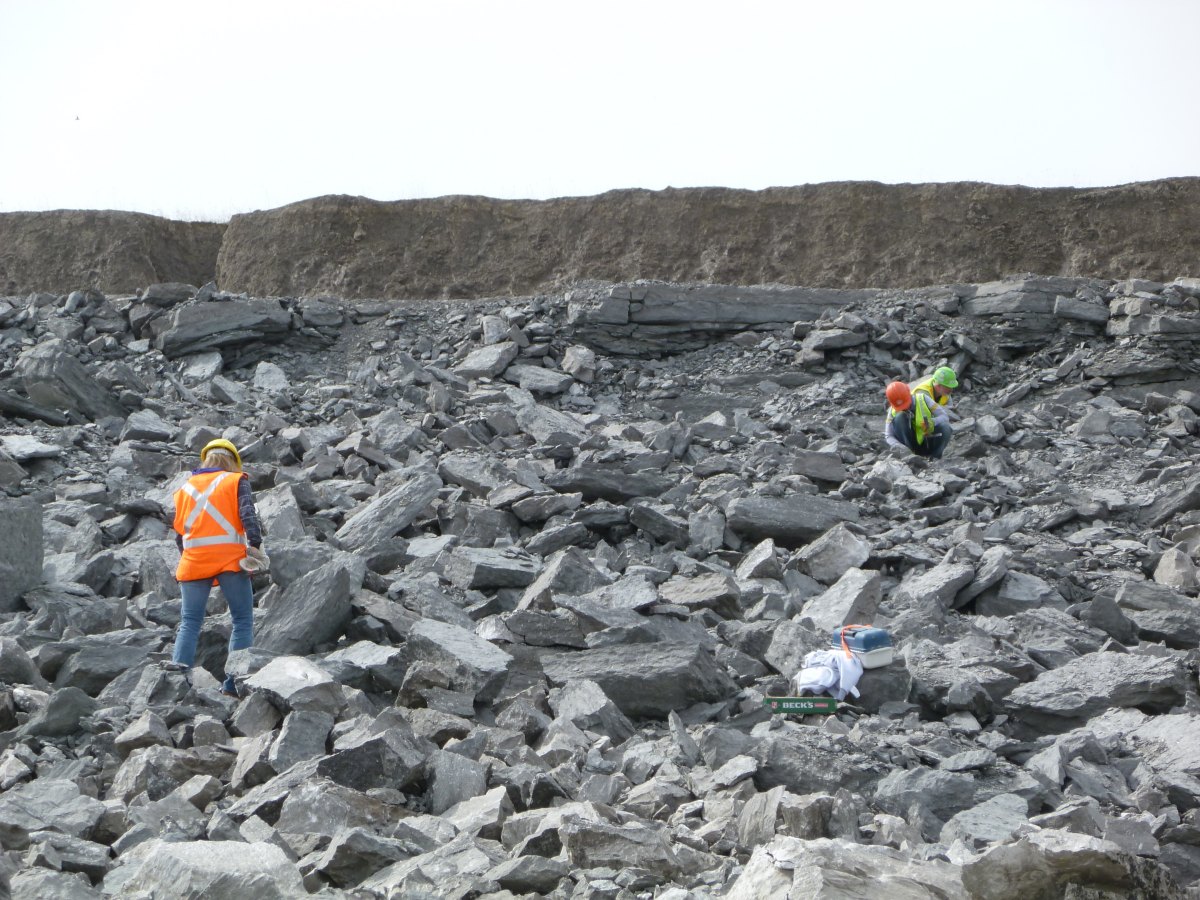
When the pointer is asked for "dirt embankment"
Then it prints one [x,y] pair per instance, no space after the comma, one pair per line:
[114,251]
[852,234]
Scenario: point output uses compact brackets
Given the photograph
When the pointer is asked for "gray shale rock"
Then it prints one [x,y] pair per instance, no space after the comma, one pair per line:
[21,561]
[646,680]
[501,558]
[1071,694]
[200,327]
[215,870]
[55,378]
[789,521]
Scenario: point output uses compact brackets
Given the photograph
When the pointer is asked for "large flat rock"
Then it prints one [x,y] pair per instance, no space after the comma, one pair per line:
[1063,698]
[215,870]
[788,520]
[312,611]
[646,680]
[211,326]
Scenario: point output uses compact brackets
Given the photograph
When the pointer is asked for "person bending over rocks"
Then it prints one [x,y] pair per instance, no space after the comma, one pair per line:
[917,417]
[215,523]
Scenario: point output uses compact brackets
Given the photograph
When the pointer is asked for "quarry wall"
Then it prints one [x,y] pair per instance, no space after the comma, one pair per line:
[850,234]
[63,250]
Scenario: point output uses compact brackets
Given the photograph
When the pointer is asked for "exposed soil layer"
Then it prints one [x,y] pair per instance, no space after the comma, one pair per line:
[851,234]
[64,250]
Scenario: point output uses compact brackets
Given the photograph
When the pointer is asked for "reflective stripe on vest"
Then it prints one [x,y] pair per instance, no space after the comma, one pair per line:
[210,525]
[204,506]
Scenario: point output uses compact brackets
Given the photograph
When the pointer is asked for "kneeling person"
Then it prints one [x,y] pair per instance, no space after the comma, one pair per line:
[913,421]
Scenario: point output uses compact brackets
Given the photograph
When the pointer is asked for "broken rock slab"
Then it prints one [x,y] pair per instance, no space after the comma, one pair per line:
[589,845]
[488,361]
[819,466]
[1176,570]
[597,481]
[924,596]
[215,870]
[386,755]
[584,704]
[53,377]
[21,561]
[718,592]
[994,820]
[452,778]
[538,379]
[24,447]
[646,680]
[312,611]
[1066,697]
[147,425]
[46,803]
[390,512]
[295,683]
[580,362]
[853,600]
[789,520]
[454,868]
[468,662]
[11,472]
[1016,593]
[200,327]
[547,425]
[1045,862]
[829,557]
[760,562]
[789,867]
[355,853]
[568,571]
[485,568]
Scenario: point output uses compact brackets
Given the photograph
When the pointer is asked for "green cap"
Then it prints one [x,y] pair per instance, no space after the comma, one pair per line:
[945,377]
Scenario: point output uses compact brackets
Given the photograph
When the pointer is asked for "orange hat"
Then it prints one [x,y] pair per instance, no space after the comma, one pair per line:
[899,396]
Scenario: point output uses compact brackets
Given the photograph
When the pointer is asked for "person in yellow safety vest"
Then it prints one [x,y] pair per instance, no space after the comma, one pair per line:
[915,421]
[938,385]
[220,539]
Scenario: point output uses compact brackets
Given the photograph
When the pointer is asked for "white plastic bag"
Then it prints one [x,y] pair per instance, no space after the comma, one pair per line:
[829,672]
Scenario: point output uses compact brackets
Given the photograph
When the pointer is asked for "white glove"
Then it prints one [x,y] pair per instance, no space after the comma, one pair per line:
[255,561]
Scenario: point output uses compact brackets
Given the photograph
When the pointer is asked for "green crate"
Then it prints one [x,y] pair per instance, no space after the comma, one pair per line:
[820,706]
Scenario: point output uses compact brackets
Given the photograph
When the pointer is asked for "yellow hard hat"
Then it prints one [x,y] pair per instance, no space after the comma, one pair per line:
[222,444]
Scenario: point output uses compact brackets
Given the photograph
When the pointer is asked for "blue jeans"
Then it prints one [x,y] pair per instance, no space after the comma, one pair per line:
[935,442]
[240,597]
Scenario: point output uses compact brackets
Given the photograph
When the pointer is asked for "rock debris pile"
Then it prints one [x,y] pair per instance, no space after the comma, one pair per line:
[536,562]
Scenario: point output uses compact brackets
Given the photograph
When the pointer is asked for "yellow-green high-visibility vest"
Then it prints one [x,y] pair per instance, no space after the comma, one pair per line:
[922,417]
[926,388]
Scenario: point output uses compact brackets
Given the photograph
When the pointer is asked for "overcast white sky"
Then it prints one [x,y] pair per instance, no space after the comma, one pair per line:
[208,108]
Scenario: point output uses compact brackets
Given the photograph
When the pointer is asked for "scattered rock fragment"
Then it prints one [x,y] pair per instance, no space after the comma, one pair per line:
[535,564]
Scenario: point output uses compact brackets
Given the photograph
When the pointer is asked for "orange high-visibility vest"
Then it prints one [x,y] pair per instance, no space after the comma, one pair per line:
[206,514]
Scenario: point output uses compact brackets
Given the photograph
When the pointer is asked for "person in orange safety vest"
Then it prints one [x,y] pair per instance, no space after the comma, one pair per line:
[218,533]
